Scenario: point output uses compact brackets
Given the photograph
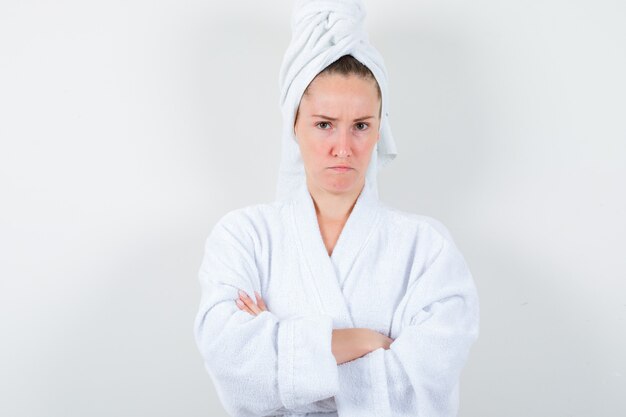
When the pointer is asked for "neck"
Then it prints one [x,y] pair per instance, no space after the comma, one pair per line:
[331,207]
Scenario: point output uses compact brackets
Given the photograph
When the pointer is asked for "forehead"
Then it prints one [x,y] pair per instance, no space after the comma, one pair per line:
[336,90]
[338,85]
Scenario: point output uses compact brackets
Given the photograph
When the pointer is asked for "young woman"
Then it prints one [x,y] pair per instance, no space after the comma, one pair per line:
[327,302]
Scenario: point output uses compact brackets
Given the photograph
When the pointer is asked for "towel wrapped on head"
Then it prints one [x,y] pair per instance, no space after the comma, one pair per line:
[324,31]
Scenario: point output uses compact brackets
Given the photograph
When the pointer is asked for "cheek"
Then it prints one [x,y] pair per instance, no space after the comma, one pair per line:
[314,145]
[366,145]
[312,151]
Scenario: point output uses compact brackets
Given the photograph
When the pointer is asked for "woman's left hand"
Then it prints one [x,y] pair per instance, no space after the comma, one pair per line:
[245,303]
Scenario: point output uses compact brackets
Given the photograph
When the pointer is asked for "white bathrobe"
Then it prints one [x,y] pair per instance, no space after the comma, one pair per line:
[397,273]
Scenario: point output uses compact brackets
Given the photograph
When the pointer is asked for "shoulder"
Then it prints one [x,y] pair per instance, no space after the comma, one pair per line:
[428,237]
[420,224]
[252,221]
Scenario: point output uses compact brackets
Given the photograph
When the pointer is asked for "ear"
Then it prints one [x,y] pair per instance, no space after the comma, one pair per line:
[295,122]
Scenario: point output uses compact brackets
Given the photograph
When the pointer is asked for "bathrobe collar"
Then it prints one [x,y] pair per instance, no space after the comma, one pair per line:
[329,273]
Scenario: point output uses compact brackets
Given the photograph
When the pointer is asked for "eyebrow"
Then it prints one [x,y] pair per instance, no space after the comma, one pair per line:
[333,118]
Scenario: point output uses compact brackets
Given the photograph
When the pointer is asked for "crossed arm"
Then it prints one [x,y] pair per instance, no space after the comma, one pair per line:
[417,374]
[347,344]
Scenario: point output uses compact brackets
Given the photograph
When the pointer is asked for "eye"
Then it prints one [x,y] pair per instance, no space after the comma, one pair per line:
[322,123]
[365,125]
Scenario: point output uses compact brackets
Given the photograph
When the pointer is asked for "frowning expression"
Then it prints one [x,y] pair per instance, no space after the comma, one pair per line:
[337,127]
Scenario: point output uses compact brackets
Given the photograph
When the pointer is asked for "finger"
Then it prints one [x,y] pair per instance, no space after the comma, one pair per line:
[260,301]
[243,296]
[251,305]
[243,307]
[248,302]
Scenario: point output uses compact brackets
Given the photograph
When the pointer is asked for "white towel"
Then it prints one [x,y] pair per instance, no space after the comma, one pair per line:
[324,31]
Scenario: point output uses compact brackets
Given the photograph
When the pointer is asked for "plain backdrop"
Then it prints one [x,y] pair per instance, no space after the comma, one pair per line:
[127,128]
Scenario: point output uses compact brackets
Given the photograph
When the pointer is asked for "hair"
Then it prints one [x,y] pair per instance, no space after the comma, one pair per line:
[347,65]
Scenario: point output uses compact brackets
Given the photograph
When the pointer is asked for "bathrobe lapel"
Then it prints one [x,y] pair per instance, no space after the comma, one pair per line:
[329,273]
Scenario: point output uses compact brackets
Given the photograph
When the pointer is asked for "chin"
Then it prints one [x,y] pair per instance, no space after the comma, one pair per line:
[336,183]
[339,187]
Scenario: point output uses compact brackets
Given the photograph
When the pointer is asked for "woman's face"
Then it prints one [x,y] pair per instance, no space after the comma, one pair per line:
[338,125]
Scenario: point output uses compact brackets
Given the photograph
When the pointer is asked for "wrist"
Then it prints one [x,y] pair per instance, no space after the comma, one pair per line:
[369,341]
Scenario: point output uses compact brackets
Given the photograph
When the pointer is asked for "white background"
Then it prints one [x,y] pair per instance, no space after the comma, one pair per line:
[127,128]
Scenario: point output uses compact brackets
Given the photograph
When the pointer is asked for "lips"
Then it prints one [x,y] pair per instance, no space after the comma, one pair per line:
[341,168]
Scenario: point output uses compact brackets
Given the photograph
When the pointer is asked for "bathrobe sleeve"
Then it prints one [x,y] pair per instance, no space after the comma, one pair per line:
[260,365]
[419,374]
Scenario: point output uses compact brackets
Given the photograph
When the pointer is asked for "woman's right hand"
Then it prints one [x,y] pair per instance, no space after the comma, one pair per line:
[352,343]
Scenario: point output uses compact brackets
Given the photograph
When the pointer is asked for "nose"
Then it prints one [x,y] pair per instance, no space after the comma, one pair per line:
[342,147]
